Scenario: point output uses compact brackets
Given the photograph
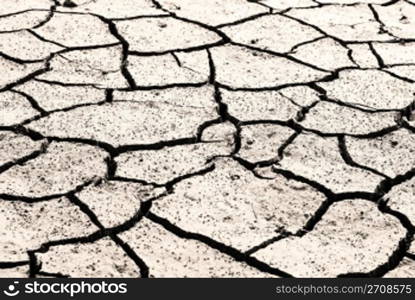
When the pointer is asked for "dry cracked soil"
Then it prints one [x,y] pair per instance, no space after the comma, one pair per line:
[207,138]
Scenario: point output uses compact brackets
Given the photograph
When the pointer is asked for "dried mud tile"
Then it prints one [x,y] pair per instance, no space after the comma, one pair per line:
[319,159]
[261,142]
[214,12]
[54,96]
[99,67]
[406,269]
[23,20]
[164,34]
[257,69]
[268,105]
[162,70]
[14,146]
[116,202]
[363,56]
[25,46]
[348,23]
[398,18]
[281,5]
[271,32]
[16,272]
[14,109]
[332,118]
[163,165]
[15,6]
[396,53]
[103,259]
[61,29]
[350,231]
[325,53]
[371,88]
[405,72]
[221,132]
[168,255]
[114,10]
[263,105]
[401,198]
[353,1]
[184,97]
[131,122]
[232,206]
[28,225]
[15,72]
[391,154]
[62,168]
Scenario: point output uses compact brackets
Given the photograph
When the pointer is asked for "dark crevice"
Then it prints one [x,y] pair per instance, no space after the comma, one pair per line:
[349,160]
[109,95]
[266,243]
[295,48]
[22,160]
[176,58]
[144,269]
[34,266]
[26,78]
[156,146]
[91,238]
[359,106]
[170,184]
[224,37]
[241,21]
[65,84]
[102,145]
[391,73]
[393,261]
[32,102]
[54,275]
[125,50]
[134,180]
[318,186]
[234,253]
[288,142]
[379,59]
[48,17]
[225,116]
[13,264]
[387,184]
[126,248]
[286,56]
[19,60]
[184,50]
[382,27]
[43,39]
[26,199]
[159,6]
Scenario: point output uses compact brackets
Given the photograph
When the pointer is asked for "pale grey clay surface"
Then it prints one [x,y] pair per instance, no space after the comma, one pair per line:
[207,138]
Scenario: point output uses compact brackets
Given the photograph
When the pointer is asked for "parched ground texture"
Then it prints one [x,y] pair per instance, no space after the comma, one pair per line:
[207,138]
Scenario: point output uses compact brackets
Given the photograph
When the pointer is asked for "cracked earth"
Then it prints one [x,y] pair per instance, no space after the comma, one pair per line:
[207,138]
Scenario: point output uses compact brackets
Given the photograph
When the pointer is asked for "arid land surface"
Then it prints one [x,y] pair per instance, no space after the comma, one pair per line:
[206,138]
